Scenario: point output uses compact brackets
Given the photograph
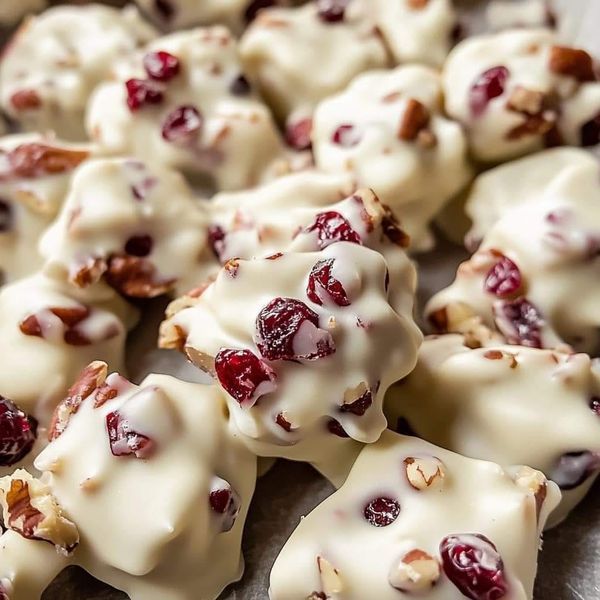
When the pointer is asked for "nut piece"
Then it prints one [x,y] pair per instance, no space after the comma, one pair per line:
[136,277]
[416,118]
[29,508]
[534,482]
[330,577]
[424,472]
[416,571]
[572,62]
[526,101]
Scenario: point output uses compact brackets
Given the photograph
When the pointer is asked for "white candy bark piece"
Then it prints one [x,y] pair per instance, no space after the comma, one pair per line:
[281,216]
[49,331]
[319,50]
[380,535]
[533,279]
[137,226]
[12,11]
[197,114]
[509,405]
[165,446]
[35,172]
[56,59]
[388,130]
[518,91]
[305,344]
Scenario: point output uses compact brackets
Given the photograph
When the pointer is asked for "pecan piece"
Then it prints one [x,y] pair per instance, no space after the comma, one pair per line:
[37,160]
[417,4]
[135,277]
[572,62]
[330,577]
[415,119]
[89,273]
[523,100]
[25,100]
[424,472]
[534,482]
[416,571]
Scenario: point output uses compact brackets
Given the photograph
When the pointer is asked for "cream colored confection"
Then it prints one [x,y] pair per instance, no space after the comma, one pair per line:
[199,114]
[137,226]
[56,59]
[504,14]
[507,404]
[157,485]
[49,331]
[534,277]
[305,344]
[12,11]
[387,129]
[517,91]
[418,520]
[316,56]
[35,172]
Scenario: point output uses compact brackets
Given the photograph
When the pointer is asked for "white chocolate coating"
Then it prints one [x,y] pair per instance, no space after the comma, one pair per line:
[387,128]
[506,404]
[504,14]
[55,60]
[35,172]
[216,149]
[274,218]
[165,541]
[537,104]
[38,366]
[335,551]
[291,417]
[314,58]
[553,241]
[12,11]
[121,211]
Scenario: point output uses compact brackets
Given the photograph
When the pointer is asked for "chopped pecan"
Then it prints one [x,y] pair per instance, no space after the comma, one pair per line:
[424,472]
[26,100]
[136,277]
[572,62]
[534,482]
[89,273]
[415,119]
[417,4]
[330,577]
[539,124]
[416,571]
[523,100]
[38,160]
[171,336]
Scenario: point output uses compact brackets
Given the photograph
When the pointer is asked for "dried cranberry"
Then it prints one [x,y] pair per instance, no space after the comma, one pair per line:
[124,441]
[182,125]
[139,245]
[331,11]
[332,227]
[17,433]
[335,427]
[225,501]
[254,7]
[216,239]
[243,375]
[323,286]
[286,329]
[141,92]
[574,468]
[346,136]
[240,86]
[6,216]
[520,322]
[360,406]
[381,512]
[165,9]
[283,422]
[473,565]
[297,135]
[503,279]
[590,132]
[161,65]
[595,405]
[489,85]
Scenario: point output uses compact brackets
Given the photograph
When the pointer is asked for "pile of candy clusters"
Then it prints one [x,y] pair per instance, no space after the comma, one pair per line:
[270,169]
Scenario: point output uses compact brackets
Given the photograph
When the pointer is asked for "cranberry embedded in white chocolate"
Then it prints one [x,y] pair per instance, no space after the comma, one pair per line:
[55,60]
[273,331]
[507,404]
[472,532]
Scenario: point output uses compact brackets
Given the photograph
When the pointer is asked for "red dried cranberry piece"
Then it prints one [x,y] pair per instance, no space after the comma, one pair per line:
[139,245]
[141,92]
[165,9]
[124,441]
[595,405]
[161,65]
[216,239]
[243,375]
[335,427]
[323,286]
[520,322]
[473,565]
[332,227]
[297,135]
[503,279]
[489,85]
[182,125]
[590,132]
[240,86]
[18,432]
[283,422]
[286,329]
[225,501]
[346,136]
[360,406]
[331,11]
[254,7]
[381,512]
[6,216]
[574,468]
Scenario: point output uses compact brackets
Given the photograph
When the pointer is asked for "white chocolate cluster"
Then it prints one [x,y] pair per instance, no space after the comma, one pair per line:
[185,103]
[56,59]
[35,172]
[509,405]
[136,226]
[519,91]
[273,332]
[12,11]
[388,130]
[533,279]
[413,518]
